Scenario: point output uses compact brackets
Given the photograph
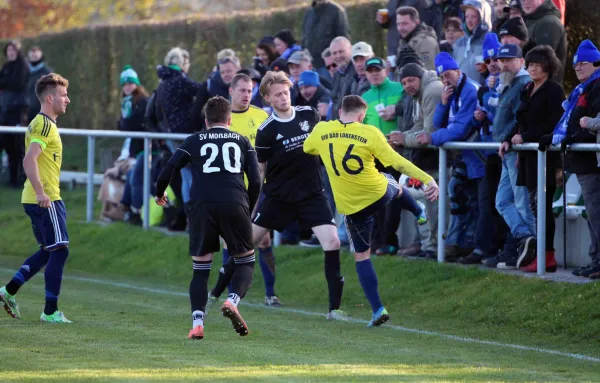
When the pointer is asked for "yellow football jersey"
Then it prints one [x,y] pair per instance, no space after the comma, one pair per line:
[246,123]
[43,131]
[348,152]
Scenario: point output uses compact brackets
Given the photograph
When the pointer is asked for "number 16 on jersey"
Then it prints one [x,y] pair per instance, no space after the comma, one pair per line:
[348,156]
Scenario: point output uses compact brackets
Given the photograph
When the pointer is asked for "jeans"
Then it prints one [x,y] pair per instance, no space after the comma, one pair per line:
[464,210]
[590,188]
[512,201]
[133,194]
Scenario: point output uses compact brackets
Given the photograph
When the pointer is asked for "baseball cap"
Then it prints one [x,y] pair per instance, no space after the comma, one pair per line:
[375,62]
[362,49]
[299,57]
[280,65]
[510,51]
[513,4]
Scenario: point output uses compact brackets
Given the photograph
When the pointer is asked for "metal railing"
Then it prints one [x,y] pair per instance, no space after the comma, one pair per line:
[443,176]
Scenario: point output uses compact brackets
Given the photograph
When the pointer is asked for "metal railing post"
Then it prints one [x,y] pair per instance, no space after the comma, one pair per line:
[89,201]
[443,180]
[541,213]
[147,165]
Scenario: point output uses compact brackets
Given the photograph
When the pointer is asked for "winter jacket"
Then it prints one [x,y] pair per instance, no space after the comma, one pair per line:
[429,12]
[424,41]
[454,122]
[594,126]
[360,87]
[342,87]
[588,105]
[35,73]
[537,116]
[321,96]
[487,100]
[135,123]
[212,87]
[544,27]
[505,120]
[323,22]
[13,86]
[427,100]
[388,93]
[175,98]
[467,49]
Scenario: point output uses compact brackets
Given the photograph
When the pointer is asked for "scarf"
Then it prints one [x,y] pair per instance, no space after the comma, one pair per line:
[560,132]
[126,106]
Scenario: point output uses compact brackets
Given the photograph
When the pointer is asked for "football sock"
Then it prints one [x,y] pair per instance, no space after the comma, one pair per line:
[368,282]
[335,282]
[225,253]
[266,260]
[197,318]
[199,285]
[224,280]
[242,277]
[30,267]
[408,202]
[53,277]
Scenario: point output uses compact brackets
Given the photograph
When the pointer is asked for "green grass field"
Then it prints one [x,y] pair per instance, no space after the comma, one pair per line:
[126,291]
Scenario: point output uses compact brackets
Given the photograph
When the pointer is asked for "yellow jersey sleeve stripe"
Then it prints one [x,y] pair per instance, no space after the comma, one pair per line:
[46,128]
[38,141]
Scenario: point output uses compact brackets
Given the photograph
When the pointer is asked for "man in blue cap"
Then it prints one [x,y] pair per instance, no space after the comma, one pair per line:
[312,93]
[584,101]
[512,201]
[453,120]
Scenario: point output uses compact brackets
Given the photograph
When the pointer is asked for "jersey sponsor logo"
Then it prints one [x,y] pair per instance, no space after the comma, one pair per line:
[305,126]
[279,136]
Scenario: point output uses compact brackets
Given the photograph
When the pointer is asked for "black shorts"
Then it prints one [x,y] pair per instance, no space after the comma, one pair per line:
[209,221]
[277,215]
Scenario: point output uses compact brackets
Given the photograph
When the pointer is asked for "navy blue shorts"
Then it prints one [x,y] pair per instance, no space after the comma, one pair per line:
[49,224]
[360,224]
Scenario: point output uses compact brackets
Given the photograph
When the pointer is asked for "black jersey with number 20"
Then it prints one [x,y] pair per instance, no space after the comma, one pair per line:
[291,174]
[219,158]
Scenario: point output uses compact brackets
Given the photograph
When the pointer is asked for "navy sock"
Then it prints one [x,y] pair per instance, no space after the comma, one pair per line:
[30,267]
[53,276]
[199,285]
[224,280]
[368,281]
[225,253]
[267,266]
[408,202]
[226,258]
[242,276]
[335,281]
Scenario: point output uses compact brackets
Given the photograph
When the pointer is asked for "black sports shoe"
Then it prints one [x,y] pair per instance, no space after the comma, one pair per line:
[471,259]
[527,251]
[507,262]
[492,262]
[589,271]
[580,270]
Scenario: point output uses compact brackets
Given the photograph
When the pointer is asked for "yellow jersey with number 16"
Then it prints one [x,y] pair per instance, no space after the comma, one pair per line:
[348,152]
[43,131]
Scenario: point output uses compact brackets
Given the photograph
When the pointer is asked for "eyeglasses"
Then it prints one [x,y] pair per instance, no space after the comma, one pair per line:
[580,64]
[331,66]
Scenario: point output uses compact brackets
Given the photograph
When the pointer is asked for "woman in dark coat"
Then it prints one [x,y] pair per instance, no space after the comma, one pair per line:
[539,113]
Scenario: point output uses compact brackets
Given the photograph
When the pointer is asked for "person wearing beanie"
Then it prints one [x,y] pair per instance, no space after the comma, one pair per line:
[425,89]
[584,101]
[468,49]
[312,93]
[514,31]
[285,44]
[453,121]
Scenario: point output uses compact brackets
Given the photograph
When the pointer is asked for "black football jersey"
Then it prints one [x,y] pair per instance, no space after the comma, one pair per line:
[218,159]
[291,174]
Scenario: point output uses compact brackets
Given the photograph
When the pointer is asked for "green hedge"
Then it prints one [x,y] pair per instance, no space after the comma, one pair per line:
[92,58]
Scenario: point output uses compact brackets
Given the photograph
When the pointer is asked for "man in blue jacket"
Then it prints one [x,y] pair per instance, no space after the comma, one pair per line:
[453,120]
[512,201]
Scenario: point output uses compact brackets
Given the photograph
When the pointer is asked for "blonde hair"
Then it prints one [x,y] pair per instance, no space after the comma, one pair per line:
[177,56]
[49,83]
[225,53]
[272,78]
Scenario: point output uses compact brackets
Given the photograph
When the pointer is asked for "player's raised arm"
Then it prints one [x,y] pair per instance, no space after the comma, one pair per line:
[178,161]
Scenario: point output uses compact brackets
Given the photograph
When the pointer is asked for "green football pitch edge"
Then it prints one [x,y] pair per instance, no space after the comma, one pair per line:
[126,291]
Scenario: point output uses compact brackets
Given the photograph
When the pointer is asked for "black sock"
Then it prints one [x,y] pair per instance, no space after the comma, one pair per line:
[199,285]
[335,281]
[51,306]
[12,287]
[242,276]
[225,275]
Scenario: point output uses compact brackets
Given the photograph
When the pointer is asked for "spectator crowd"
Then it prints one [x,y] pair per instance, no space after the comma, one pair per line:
[470,70]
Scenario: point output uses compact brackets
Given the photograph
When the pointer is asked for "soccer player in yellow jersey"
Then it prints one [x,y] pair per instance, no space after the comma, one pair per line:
[245,120]
[42,202]
[348,149]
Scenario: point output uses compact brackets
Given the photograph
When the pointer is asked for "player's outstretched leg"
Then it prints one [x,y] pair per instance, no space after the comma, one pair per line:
[198,296]
[223,282]
[328,238]
[241,281]
[53,277]
[408,202]
[30,267]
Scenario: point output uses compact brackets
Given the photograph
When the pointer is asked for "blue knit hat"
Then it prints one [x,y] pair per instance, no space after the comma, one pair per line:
[490,46]
[587,52]
[309,78]
[444,62]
